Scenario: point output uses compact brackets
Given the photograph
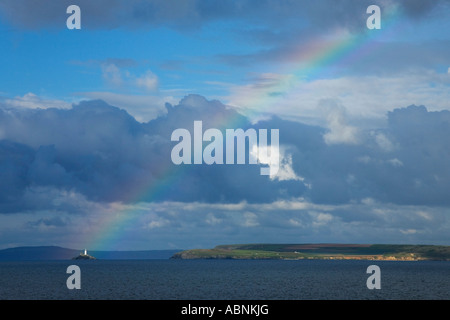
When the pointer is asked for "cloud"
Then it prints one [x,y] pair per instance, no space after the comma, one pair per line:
[382,57]
[383,142]
[283,170]
[286,172]
[156,225]
[66,170]
[249,220]
[143,107]
[102,153]
[364,97]
[149,81]
[123,79]
[188,14]
[339,130]
[112,75]
[32,101]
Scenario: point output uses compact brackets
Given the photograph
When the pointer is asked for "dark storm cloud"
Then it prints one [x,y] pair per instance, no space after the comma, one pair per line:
[404,163]
[282,27]
[421,8]
[187,14]
[15,160]
[104,154]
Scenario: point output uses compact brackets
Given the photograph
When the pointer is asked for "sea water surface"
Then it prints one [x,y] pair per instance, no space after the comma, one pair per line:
[224,280]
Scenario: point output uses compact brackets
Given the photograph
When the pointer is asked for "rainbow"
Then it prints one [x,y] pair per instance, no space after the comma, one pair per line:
[317,59]
[313,60]
[114,222]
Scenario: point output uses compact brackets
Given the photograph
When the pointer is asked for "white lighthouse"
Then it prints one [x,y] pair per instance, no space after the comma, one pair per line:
[85,252]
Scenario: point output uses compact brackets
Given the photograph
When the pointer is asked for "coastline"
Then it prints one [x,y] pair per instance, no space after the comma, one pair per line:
[373,252]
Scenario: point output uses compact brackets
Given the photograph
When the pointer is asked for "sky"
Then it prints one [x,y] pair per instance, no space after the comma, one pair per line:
[86,117]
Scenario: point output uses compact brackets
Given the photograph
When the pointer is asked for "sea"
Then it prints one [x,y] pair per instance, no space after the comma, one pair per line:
[225,279]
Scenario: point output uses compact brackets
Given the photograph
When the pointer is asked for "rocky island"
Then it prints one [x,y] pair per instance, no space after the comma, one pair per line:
[392,252]
[84,256]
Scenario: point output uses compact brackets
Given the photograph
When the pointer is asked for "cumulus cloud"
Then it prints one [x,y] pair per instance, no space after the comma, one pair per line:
[339,131]
[156,225]
[104,154]
[112,75]
[149,81]
[32,101]
[283,167]
[122,78]
[66,170]
[67,167]
[189,14]
[363,97]
[383,142]
[143,107]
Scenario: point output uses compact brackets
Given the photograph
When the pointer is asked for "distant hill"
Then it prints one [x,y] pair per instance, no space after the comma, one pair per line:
[59,253]
[395,252]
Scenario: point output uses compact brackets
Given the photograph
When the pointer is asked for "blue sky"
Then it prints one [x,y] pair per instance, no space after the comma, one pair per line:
[363,119]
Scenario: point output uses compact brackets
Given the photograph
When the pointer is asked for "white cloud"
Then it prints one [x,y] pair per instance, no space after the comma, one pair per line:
[395,162]
[339,129]
[283,170]
[286,172]
[320,218]
[383,142]
[122,78]
[408,231]
[142,107]
[112,75]
[364,97]
[32,101]
[212,219]
[295,220]
[149,81]
[157,223]
[250,219]
[265,155]
[425,215]
[295,223]
[340,132]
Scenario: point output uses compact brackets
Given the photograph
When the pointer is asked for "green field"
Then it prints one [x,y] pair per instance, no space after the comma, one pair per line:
[320,251]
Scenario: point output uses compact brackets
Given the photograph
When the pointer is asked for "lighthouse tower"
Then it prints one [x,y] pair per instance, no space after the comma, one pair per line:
[85,252]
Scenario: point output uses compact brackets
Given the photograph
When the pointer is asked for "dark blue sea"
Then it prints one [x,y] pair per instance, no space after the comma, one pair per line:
[224,279]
